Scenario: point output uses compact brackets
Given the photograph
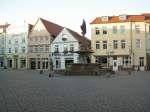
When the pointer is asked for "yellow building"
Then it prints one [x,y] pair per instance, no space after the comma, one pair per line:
[121,41]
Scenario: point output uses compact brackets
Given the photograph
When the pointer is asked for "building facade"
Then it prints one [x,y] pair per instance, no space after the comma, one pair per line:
[65,49]
[16,45]
[121,40]
[3,33]
[40,37]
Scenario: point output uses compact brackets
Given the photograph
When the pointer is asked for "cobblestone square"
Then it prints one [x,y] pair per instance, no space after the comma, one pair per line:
[28,91]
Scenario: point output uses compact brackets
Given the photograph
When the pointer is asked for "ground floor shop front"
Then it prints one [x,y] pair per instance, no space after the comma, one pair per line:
[125,62]
[39,63]
[13,62]
[60,60]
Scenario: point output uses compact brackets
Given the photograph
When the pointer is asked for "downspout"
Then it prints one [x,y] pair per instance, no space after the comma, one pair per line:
[146,44]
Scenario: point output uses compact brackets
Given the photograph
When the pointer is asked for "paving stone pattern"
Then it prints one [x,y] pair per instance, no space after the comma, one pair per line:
[28,91]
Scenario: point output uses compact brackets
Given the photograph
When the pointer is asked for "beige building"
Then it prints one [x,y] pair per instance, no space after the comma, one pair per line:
[39,39]
[121,41]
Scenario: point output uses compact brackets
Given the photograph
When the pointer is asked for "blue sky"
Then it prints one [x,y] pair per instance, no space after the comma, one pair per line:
[68,13]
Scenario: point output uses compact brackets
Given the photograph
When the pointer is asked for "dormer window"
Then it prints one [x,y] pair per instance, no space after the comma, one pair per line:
[64,37]
[122,17]
[105,18]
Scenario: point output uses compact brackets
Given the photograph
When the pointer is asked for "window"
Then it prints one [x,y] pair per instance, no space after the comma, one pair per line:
[137,28]
[97,44]
[23,49]
[36,49]
[2,50]
[122,29]
[138,43]
[31,49]
[41,49]
[46,49]
[123,44]
[65,48]
[3,41]
[114,29]
[104,30]
[41,38]
[104,44]
[30,38]
[122,17]
[46,38]
[36,38]
[16,50]
[97,31]
[126,60]
[56,48]
[9,50]
[104,18]
[141,59]
[16,41]
[115,44]
[64,37]
[23,40]
[71,47]
[9,42]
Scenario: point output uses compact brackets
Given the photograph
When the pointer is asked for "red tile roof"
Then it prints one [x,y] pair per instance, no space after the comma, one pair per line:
[80,38]
[4,26]
[52,28]
[30,26]
[115,19]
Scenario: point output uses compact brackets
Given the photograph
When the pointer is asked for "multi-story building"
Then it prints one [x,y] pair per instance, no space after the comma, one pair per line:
[121,40]
[16,45]
[3,32]
[67,48]
[40,37]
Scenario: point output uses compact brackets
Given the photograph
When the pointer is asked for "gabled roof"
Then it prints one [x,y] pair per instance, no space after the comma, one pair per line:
[4,26]
[115,19]
[30,26]
[80,38]
[52,28]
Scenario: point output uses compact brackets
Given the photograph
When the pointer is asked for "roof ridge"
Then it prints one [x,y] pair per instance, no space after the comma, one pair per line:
[50,22]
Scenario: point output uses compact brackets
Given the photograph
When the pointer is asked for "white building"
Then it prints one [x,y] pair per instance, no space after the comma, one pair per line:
[65,48]
[16,45]
[3,32]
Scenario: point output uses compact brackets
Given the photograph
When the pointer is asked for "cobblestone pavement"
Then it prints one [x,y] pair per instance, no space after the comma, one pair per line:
[27,91]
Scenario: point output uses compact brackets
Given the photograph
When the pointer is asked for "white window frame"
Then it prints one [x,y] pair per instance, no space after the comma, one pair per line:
[138,43]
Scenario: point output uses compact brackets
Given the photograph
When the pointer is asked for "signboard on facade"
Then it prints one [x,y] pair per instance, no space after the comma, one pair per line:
[62,54]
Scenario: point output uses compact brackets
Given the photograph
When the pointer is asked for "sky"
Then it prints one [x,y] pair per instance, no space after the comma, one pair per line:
[68,13]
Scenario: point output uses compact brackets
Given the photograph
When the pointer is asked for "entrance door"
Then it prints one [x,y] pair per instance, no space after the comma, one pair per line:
[68,61]
[58,64]
[33,64]
[9,63]
[141,61]
[16,63]
[115,65]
